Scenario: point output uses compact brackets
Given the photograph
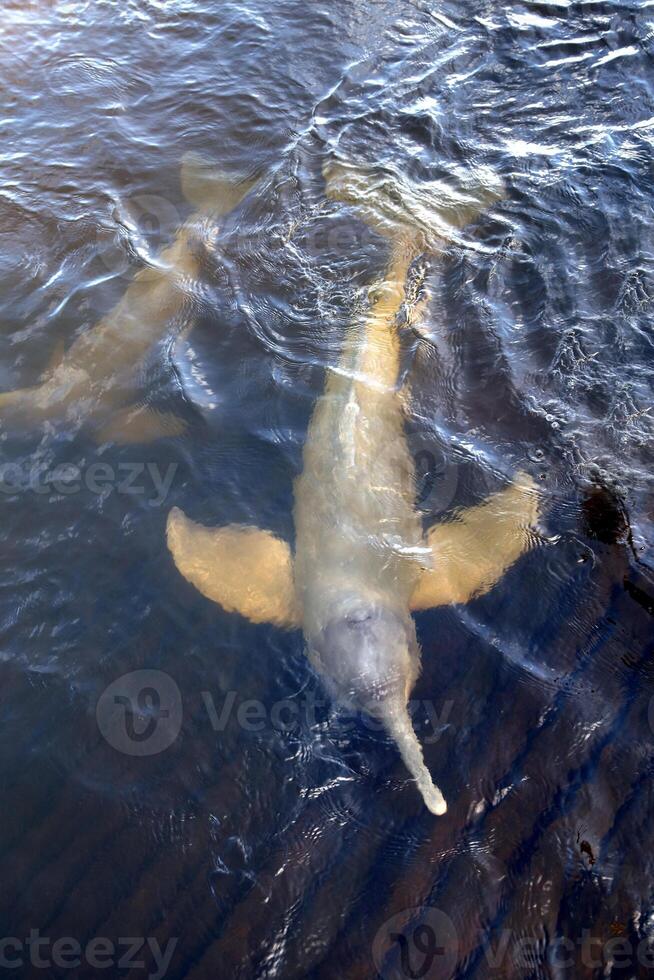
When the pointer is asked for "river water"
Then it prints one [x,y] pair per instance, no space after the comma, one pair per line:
[262,834]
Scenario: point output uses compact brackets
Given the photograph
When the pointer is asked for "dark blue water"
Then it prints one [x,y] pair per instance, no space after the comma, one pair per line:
[276,838]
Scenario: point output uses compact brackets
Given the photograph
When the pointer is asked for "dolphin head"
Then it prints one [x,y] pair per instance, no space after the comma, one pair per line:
[367,652]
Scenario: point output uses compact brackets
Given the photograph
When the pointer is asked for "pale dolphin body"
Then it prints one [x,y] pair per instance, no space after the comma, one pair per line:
[95,380]
[362,562]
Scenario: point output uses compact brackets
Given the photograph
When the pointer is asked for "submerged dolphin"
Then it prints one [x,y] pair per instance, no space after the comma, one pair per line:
[95,381]
[362,561]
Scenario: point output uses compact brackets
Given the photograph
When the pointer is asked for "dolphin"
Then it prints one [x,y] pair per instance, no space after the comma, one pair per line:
[95,380]
[362,562]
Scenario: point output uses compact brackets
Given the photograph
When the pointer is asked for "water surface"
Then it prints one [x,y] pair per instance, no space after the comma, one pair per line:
[287,848]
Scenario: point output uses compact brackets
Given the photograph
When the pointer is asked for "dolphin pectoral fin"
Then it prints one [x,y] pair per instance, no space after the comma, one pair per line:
[140,424]
[472,552]
[208,189]
[243,569]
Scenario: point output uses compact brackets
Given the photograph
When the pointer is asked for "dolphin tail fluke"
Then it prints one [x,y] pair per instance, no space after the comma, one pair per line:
[399,726]
[209,189]
[243,569]
[471,552]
